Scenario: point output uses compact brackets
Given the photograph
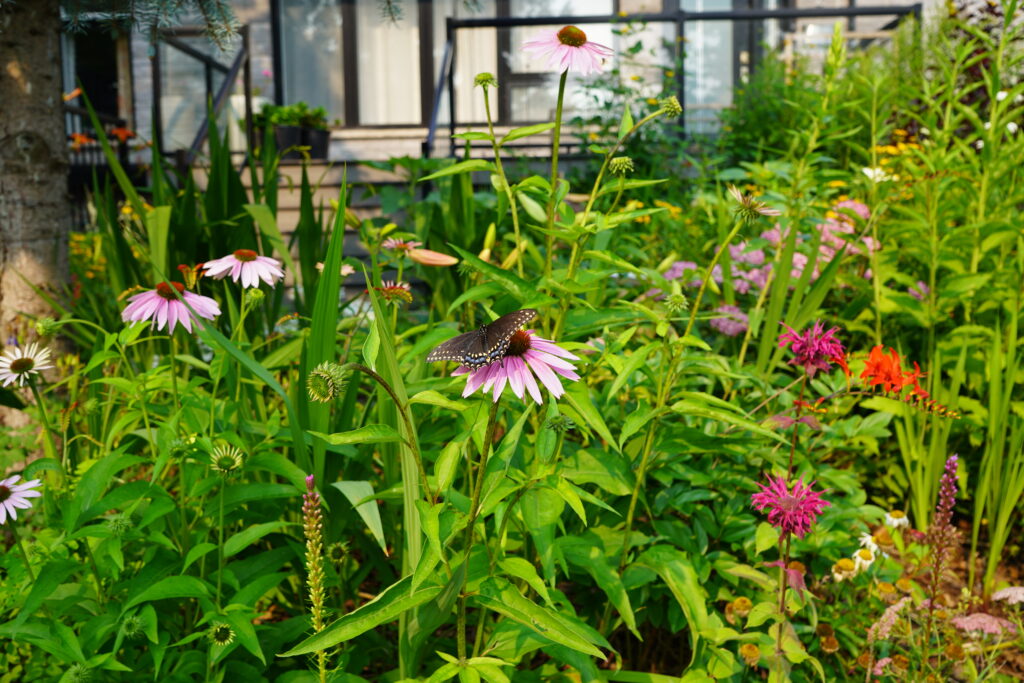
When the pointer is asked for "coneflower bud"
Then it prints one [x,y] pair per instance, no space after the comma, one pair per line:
[226,459]
[561,423]
[312,524]
[485,80]
[132,627]
[620,166]
[326,382]
[221,634]
[47,327]
[670,105]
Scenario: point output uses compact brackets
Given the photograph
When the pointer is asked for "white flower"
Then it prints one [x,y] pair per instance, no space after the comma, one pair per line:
[925,132]
[979,144]
[1001,95]
[14,496]
[877,175]
[988,124]
[862,559]
[868,541]
[19,364]
[1012,127]
[843,569]
[897,519]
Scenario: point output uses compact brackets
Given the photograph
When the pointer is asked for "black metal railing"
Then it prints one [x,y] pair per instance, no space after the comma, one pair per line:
[446,77]
[215,97]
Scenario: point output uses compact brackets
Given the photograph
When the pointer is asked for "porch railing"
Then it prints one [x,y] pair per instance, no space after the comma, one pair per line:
[446,77]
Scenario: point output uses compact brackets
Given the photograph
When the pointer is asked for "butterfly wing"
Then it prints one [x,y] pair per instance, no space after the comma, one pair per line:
[484,346]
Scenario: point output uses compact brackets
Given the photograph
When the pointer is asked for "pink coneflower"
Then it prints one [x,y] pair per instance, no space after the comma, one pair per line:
[163,307]
[248,266]
[14,496]
[792,511]
[19,364]
[815,349]
[568,48]
[400,245]
[526,354]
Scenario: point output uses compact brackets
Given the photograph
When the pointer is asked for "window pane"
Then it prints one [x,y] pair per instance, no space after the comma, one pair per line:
[389,66]
[708,66]
[311,54]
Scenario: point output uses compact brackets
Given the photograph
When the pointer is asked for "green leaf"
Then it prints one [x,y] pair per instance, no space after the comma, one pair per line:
[519,568]
[626,122]
[158,224]
[762,612]
[247,537]
[467,166]
[766,537]
[241,623]
[387,606]
[526,131]
[499,595]
[374,433]
[578,396]
[690,407]
[526,293]
[434,398]
[676,570]
[195,552]
[357,493]
[591,558]
[172,587]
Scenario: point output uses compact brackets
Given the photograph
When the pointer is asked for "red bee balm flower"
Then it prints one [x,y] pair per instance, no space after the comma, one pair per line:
[815,349]
[792,511]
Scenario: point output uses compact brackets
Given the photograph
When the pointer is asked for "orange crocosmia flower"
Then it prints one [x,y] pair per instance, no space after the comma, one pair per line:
[840,360]
[79,139]
[68,96]
[885,370]
[121,133]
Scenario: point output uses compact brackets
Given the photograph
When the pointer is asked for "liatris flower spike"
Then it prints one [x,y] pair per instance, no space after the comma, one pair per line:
[161,306]
[246,265]
[20,364]
[569,49]
[814,349]
[790,510]
[312,516]
[14,496]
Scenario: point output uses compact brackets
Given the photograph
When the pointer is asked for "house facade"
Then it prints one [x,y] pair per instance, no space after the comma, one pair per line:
[381,81]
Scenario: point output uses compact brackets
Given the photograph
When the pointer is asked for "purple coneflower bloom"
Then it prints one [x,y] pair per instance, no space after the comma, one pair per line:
[246,265]
[568,48]
[815,349]
[400,245]
[526,355]
[734,321]
[19,364]
[792,511]
[163,307]
[14,496]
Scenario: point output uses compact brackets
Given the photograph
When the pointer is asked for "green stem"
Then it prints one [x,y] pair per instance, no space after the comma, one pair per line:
[220,542]
[174,372]
[24,553]
[792,445]
[782,602]
[707,276]
[411,442]
[474,505]
[504,183]
[556,138]
[49,445]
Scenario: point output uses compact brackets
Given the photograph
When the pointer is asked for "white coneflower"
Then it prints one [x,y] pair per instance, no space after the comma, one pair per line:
[862,559]
[868,541]
[897,519]
[18,364]
[844,569]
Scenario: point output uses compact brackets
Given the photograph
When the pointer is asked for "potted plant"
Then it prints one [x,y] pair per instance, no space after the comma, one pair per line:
[314,130]
[295,125]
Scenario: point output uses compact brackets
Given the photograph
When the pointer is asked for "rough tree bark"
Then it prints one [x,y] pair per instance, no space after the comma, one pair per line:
[34,205]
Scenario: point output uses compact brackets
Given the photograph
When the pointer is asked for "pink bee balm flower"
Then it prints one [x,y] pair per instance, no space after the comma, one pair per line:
[163,307]
[815,349]
[526,355]
[568,48]
[14,496]
[248,266]
[400,245]
[792,511]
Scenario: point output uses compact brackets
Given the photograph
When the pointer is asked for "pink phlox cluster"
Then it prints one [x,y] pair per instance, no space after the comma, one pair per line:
[980,622]
[1012,595]
[733,322]
[881,629]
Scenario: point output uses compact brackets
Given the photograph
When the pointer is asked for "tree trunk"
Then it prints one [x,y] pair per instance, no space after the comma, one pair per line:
[34,207]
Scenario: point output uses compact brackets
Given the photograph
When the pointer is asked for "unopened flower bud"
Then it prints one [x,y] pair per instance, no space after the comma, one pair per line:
[485,79]
[326,382]
[620,166]
[670,105]
[47,327]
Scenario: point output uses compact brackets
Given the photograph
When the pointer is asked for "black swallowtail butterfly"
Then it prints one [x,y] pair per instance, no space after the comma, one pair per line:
[484,346]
